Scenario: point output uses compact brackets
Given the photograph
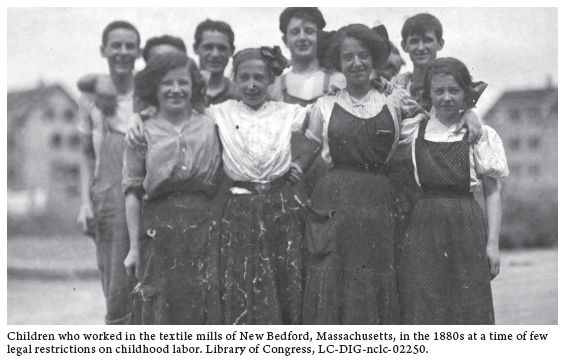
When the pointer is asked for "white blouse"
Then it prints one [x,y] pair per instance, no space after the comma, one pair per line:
[256,143]
[401,106]
[486,156]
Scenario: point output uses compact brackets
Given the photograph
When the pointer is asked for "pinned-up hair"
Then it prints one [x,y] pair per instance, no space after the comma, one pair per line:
[146,81]
[375,39]
[273,58]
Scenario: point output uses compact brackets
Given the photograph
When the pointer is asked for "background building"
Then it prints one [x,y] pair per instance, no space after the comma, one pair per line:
[43,159]
[526,120]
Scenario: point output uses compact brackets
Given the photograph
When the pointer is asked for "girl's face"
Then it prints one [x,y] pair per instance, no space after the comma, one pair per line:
[356,61]
[175,90]
[447,95]
[252,81]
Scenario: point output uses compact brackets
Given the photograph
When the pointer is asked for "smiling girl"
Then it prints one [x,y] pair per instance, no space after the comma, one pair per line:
[260,252]
[179,171]
[451,251]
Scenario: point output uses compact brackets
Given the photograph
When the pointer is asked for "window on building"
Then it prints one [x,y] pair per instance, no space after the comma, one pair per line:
[56,141]
[514,144]
[515,115]
[69,115]
[66,176]
[49,114]
[534,142]
[74,141]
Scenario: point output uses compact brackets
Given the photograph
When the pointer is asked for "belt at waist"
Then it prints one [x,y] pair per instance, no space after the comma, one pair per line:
[262,188]
[359,168]
[446,194]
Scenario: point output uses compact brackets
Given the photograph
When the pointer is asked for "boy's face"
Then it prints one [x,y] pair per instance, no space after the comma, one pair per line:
[422,48]
[214,51]
[121,50]
[301,39]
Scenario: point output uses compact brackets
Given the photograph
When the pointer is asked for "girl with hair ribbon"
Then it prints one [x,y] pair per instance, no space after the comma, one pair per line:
[450,254]
[351,226]
[255,267]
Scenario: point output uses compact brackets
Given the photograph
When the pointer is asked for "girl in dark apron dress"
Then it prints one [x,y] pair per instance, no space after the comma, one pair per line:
[449,255]
[351,225]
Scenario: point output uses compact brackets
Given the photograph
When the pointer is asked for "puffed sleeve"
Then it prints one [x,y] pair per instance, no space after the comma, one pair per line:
[490,158]
[133,173]
[315,130]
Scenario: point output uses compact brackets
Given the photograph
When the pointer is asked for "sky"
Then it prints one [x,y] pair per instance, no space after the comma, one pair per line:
[509,48]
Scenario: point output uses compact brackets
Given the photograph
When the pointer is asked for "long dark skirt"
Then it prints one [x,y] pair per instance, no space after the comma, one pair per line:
[175,235]
[260,259]
[444,273]
[350,238]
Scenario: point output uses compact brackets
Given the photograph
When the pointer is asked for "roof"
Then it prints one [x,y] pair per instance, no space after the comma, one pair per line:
[24,101]
[524,97]
[538,94]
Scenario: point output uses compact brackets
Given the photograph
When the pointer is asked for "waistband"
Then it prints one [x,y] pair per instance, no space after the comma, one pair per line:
[262,188]
[446,194]
[359,168]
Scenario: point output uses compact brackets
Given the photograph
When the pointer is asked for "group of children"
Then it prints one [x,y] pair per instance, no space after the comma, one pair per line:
[216,233]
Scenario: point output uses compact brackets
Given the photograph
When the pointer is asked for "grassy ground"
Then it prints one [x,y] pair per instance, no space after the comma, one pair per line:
[525,292]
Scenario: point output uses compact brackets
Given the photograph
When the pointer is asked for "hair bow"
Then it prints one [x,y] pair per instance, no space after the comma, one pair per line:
[478,89]
[275,59]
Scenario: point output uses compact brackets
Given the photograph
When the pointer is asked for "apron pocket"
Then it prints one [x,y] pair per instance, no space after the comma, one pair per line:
[320,231]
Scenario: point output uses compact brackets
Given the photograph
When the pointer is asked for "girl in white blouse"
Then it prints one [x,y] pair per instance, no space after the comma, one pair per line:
[451,251]
[257,261]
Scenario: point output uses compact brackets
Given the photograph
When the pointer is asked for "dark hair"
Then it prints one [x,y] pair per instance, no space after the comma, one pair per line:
[455,68]
[376,40]
[394,50]
[119,24]
[147,80]
[274,61]
[419,24]
[164,39]
[308,14]
[212,25]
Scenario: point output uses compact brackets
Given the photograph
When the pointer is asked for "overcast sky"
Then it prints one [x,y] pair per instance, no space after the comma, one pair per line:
[509,48]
